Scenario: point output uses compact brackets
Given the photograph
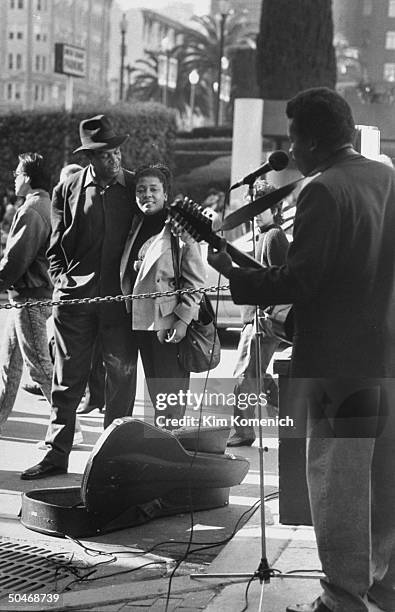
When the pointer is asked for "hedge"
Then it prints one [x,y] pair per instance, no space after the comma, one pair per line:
[203,144]
[55,134]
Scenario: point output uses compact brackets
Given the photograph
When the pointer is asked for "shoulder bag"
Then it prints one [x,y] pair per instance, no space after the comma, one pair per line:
[200,349]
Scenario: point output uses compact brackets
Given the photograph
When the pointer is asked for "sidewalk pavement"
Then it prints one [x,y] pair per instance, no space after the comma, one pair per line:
[132,569]
[127,576]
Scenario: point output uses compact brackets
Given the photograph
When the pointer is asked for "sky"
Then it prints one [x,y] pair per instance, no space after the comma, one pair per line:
[201,6]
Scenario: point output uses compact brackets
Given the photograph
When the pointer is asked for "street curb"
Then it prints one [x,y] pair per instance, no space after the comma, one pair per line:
[131,592]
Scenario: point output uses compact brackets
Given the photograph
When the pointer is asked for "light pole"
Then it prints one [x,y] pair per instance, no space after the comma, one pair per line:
[129,70]
[124,26]
[163,69]
[167,69]
[224,12]
[193,80]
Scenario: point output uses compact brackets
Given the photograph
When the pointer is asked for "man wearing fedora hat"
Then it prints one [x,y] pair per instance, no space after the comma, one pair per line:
[91,215]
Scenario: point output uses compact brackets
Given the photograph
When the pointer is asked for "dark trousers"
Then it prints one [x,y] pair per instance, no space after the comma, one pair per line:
[76,329]
[95,390]
[163,373]
[94,393]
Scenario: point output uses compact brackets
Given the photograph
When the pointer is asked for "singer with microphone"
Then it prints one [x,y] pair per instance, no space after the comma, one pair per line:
[340,277]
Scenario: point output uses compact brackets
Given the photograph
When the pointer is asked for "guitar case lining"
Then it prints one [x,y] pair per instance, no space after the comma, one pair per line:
[135,473]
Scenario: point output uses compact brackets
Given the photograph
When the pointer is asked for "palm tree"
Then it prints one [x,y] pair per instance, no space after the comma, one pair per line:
[202,50]
[144,76]
[199,51]
[145,86]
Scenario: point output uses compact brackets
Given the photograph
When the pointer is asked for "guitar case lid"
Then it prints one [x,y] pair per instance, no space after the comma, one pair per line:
[134,462]
[132,468]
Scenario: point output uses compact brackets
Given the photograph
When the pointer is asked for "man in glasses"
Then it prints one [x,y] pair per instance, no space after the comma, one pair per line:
[24,274]
[91,216]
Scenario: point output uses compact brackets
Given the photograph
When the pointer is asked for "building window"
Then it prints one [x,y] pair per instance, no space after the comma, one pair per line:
[391,8]
[10,61]
[12,4]
[389,72]
[44,63]
[37,63]
[36,92]
[367,7]
[19,35]
[11,35]
[390,40]
[18,61]
[20,4]
[38,37]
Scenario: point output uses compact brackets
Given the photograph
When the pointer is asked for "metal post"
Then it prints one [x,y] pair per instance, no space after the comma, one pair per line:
[166,85]
[221,52]
[193,80]
[123,26]
[192,105]
[69,93]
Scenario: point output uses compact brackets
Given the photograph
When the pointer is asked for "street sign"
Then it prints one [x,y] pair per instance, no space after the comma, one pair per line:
[70,60]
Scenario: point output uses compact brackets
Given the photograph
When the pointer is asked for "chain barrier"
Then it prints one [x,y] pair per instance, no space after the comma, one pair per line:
[112,298]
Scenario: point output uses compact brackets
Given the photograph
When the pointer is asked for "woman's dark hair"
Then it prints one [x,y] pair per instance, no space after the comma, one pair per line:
[161,171]
[323,114]
[33,166]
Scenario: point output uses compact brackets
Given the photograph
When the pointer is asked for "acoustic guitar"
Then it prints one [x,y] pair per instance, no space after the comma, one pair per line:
[186,215]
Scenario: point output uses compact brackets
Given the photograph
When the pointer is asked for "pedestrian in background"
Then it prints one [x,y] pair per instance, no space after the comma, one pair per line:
[271,250]
[91,215]
[24,274]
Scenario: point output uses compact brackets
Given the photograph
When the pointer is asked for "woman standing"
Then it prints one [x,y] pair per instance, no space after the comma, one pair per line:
[159,324]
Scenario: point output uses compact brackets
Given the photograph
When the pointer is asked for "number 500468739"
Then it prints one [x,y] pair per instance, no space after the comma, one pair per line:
[33,598]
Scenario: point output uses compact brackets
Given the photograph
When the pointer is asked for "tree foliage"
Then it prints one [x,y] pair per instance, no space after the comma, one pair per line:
[294,47]
[145,86]
[199,51]
[55,135]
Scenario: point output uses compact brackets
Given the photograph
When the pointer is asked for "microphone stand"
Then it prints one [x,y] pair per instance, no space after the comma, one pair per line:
[264,572]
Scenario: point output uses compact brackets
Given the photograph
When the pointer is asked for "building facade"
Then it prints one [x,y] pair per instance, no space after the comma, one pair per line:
[29,30]
[250,8]
[369,27]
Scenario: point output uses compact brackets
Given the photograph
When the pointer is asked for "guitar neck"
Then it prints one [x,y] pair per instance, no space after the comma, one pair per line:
[239,257]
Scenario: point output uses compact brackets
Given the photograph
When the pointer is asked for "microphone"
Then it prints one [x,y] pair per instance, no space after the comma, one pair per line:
[277,161]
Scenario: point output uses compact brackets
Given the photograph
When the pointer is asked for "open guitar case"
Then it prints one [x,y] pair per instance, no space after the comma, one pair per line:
[135,473]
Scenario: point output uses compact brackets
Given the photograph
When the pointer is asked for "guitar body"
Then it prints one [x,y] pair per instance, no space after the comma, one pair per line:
[189,216]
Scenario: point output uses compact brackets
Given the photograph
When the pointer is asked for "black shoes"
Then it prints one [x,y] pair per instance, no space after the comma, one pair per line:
[239,440]
[316,606]
[44,469]
[33,389]
[87,408]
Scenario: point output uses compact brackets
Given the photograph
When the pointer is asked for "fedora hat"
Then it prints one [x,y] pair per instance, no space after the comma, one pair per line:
[97,134]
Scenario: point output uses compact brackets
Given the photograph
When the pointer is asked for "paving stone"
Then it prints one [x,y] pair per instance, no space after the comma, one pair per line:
[198,601]
[160,604]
